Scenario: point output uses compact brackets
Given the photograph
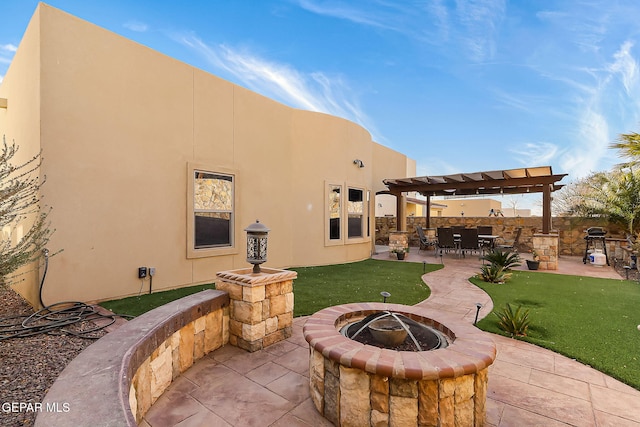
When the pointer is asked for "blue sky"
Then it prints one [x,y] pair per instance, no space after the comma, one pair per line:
[459,86]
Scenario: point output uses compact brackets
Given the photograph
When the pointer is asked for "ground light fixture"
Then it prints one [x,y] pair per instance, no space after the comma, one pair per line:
[256,245]
[478,307]
[385,295]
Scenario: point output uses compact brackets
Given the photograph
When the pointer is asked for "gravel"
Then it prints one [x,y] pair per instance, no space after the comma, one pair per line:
[30,365]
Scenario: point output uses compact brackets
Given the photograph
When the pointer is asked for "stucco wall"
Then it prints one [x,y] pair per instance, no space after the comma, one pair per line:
[18,123]
[120,125]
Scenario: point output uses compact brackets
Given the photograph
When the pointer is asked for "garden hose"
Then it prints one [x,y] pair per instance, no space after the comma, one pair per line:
[55,319]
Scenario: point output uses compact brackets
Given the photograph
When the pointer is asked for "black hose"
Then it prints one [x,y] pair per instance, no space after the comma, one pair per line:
[55,319]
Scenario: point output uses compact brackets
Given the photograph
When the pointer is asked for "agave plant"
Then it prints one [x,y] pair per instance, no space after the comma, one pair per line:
[513,322]
[494,273]
[504,259]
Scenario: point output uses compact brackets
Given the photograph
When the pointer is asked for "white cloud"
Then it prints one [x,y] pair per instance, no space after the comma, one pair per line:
[626,66]
[137,26]
[368,16]
[586,155]
[315,91]
[480,21]
[8,47]
[471,26]
[535,153]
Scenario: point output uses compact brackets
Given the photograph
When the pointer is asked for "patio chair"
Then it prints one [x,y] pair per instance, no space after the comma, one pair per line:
[511,246]
[485,230]
[469,240]
[424,241]
[445,240]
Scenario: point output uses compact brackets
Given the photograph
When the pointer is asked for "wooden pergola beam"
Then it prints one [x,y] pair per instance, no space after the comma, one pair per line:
[514,181]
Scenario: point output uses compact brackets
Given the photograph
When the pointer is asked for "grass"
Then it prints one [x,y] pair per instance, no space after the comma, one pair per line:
[320,287]
[135,306]
[589,319]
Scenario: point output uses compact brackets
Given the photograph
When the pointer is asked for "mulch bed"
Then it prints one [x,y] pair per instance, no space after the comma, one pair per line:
[30,365]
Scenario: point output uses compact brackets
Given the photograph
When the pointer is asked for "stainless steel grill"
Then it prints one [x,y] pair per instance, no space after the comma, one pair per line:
[595,239]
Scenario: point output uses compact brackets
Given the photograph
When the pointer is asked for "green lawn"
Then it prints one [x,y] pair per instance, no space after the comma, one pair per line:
[320,287]
[135,306]
[588,319]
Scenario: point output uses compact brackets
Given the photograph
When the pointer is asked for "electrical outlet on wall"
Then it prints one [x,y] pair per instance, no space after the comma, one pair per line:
[152,271]
[142,272]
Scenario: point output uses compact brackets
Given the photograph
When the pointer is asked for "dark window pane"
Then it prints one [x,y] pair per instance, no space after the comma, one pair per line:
[355,226]
[212,229]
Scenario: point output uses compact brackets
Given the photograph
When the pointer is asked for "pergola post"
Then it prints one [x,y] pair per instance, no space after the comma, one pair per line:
[546,209]
[427,214]
[401,203]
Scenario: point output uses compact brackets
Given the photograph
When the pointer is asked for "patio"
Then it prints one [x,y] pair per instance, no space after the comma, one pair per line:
[528,385]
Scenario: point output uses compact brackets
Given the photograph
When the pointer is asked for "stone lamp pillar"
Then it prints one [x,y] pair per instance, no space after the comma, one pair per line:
[261,299]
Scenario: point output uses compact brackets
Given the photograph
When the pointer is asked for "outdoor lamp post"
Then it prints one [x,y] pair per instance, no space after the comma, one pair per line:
[256,244]
[478,307]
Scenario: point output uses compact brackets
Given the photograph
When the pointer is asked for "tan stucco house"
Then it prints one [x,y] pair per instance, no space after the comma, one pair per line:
[152,162]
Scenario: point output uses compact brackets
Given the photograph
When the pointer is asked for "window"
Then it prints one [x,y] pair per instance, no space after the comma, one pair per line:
[213,196]
[368,213]
[355,210]
[335,208]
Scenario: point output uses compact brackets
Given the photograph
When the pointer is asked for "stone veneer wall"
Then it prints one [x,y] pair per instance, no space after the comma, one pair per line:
[353,384]
[571,230]
[546,246]
[115,380]
[261,310]
[398,240]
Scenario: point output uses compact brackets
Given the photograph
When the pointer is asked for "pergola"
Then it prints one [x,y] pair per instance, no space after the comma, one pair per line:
[513,181]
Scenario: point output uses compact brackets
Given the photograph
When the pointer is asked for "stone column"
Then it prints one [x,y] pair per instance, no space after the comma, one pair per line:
[398,240]
[261,309]
[546,245]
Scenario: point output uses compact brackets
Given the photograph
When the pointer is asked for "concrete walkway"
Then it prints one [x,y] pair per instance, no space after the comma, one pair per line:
[528,385]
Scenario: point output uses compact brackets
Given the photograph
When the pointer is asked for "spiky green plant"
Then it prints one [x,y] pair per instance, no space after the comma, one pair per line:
[494,273]
[513,322]
[506,260]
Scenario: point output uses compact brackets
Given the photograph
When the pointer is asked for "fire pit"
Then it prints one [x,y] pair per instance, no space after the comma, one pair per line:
[371,383]
[394,331]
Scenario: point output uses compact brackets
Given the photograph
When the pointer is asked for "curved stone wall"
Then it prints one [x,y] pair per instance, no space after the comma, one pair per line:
[357,384]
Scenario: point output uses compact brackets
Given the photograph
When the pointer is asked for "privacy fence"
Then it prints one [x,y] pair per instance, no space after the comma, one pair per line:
[571,230]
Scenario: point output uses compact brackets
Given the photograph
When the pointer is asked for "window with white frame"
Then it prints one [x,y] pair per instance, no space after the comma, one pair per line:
[213,196]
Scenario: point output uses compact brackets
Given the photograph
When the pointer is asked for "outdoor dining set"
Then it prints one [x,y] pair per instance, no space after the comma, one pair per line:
[461,240]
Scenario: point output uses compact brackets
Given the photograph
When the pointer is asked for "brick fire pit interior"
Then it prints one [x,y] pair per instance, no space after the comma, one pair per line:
[357,384]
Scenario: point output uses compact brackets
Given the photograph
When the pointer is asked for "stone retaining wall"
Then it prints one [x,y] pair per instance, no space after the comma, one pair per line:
[571,230]
[116,379]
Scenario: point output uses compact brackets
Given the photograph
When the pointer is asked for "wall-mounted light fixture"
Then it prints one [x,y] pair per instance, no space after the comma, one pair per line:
[358,163]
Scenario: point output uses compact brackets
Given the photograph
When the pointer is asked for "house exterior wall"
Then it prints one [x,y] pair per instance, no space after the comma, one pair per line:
[470,207]
[122,127]
[18,123]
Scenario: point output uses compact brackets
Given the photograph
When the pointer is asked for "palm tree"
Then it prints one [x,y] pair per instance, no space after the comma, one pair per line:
[629,146]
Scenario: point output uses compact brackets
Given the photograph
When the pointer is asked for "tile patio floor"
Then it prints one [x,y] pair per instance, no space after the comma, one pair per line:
[528,385]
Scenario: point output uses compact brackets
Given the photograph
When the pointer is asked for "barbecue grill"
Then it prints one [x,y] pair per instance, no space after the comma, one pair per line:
[595,240]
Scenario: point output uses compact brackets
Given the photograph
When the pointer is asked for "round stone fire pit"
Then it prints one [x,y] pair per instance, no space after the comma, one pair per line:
[352,383]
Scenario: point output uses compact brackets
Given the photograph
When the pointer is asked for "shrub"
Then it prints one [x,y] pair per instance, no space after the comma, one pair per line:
[504,259]
[494,273]
[513,322]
